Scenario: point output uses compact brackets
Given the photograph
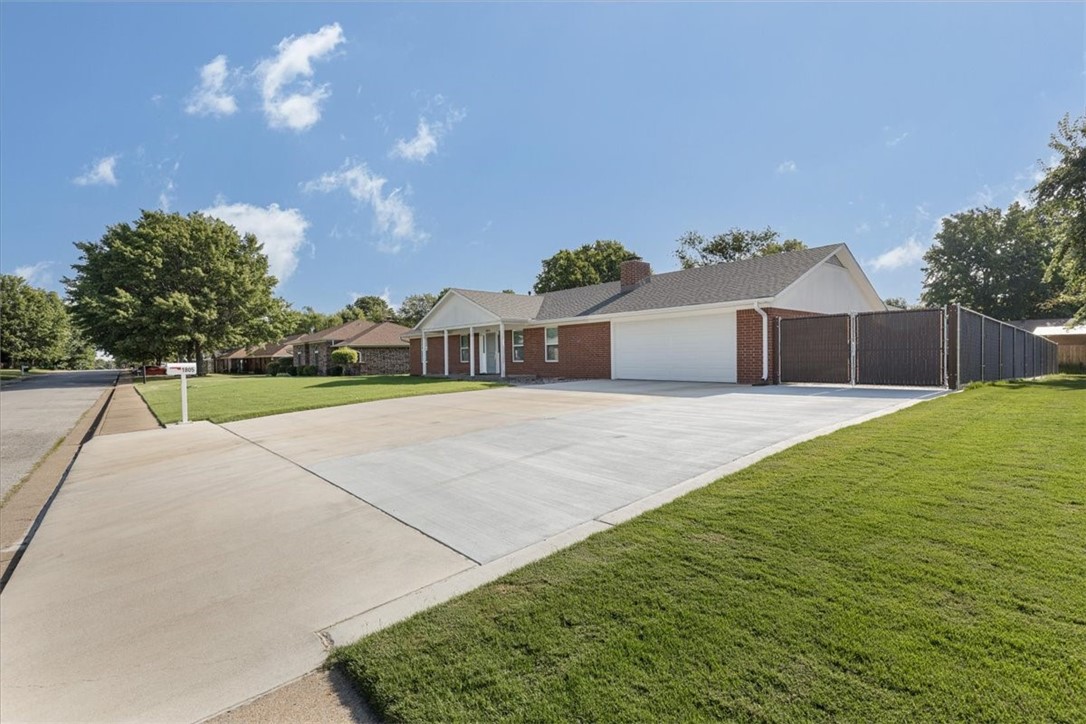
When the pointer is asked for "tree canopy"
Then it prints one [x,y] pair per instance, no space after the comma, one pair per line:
[171,285]
[733,245]
[1061,199]
[375,309]
[414,307]
[587,264]
[34,325]
[991,261]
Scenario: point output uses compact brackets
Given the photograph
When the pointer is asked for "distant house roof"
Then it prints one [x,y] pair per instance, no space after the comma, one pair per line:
[383,334]
[758,278]
[1049,327]
[337,333]
[282,348]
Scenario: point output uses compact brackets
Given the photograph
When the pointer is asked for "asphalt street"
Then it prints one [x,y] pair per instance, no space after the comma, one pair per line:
[40,410]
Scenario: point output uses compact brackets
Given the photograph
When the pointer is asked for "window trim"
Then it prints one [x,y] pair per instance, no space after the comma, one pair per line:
[465,349]
[547,344]
[515,346]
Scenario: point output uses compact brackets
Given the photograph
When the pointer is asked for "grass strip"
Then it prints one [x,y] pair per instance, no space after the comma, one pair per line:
[225,398]
[928,565]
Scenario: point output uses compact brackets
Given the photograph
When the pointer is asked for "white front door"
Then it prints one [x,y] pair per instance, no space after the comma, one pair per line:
[488,353]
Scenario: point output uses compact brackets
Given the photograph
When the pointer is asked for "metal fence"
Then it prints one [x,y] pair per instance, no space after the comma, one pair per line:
[989,349]
[952,346]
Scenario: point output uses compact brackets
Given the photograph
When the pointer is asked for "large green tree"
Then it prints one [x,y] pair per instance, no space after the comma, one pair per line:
[991,261]
[733,245]
[1061,199]
[34,325]
[170,285]
[414,307]
[588,264]
[375,309]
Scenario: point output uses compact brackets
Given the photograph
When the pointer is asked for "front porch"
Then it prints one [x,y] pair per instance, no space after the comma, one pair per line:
[466,352]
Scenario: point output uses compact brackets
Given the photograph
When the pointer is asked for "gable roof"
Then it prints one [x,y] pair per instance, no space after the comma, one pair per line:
[382,334]
[337,333]
[758,278]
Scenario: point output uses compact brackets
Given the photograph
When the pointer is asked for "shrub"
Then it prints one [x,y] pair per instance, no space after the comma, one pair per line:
[344,356]
[335,371]
[308,371]
[292,371]
[272,369]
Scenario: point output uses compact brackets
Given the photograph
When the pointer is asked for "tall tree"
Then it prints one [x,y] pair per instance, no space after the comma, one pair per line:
[733,245]
[174,285]
[414,307]
[991,261]
[1061,199]
[375,309]
[34,325]
[588,264]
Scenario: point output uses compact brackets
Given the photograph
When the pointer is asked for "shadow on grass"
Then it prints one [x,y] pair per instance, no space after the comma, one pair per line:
[1062,381]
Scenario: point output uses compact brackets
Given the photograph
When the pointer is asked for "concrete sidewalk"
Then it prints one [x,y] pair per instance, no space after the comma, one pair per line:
[127,411]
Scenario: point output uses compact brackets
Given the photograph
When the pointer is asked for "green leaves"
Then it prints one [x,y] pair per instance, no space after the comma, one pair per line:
[733,245]
[171,285]
[34,325]
[588,264]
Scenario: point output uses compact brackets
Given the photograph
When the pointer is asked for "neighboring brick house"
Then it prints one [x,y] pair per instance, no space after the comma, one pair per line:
[703,324]
[381,350]
[254,360]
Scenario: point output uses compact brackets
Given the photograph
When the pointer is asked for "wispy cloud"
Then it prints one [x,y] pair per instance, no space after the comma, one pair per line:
[428,134]
[787,167]
[890,143]
[281,231]
[101,173]
[211,98]
[906,254]
[293,63]
[862,228]
[36,275]
[393,218]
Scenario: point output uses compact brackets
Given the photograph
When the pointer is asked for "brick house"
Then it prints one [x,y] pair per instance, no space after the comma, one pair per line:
[381,350]
[254,359]
[713,323]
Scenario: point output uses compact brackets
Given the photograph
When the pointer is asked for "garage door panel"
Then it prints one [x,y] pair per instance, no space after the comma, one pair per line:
[697,348]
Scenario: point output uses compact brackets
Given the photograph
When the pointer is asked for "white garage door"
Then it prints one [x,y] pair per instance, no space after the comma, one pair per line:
[695,349]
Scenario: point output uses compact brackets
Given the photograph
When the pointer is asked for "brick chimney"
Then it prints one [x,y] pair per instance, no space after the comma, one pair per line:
[634,272]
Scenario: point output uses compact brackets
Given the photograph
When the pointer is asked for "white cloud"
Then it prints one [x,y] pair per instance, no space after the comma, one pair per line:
[392,216]
[102,173]
[427,135]
[863,227]
[386,296]
[905,254]
[281,231]
[787,167]
[36,275]
[897,139]
[165,196]
[210,97]
[300,109]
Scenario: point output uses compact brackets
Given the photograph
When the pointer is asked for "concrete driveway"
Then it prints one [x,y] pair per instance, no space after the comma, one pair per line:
[182,571]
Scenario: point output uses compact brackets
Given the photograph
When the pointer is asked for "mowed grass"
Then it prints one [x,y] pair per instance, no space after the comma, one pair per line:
[925,566]
[224,398]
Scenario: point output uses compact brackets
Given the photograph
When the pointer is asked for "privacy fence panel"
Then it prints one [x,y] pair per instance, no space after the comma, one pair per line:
[990,357]
[900,348]
[970,338]
[816,349]
[989,349]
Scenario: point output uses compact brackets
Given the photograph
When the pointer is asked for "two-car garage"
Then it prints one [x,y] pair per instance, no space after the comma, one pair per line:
[689,348]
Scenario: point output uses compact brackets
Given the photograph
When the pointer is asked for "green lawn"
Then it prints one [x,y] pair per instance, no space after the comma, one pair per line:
[223,398]
[925,566]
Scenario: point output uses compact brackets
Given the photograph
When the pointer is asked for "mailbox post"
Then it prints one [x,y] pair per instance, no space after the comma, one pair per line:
[184,369]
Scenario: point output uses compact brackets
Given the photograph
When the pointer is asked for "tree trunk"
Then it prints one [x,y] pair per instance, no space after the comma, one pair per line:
[199,354]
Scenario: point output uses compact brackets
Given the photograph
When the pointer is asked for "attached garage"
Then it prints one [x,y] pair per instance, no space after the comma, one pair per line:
[695,348]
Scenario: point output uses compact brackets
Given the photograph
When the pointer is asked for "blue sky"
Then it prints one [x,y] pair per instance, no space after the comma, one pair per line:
[394,149]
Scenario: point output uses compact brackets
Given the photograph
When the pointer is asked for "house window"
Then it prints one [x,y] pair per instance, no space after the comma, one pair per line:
[551,335]
[518,346]
[465,349]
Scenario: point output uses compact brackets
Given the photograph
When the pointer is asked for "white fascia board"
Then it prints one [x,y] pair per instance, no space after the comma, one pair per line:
[420,327]
[653,313]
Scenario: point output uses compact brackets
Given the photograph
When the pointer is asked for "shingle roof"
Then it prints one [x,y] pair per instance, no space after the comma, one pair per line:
[757,278]
[384,334]
[338,332]
[506,306]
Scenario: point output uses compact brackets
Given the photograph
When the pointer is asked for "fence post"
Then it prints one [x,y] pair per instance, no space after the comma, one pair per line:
[852,348]
[953,344]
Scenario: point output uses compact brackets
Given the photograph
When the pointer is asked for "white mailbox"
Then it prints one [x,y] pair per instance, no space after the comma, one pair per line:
[180,368]
[184,369]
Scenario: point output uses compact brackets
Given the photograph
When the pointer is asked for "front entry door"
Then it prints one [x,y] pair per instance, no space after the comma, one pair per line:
[490,353]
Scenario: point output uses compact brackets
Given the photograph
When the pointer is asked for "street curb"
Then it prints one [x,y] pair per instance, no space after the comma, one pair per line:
[63,455]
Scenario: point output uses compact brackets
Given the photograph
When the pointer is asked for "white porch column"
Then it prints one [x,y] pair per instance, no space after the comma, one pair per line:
[471,350]
[424,353]
[446,340]
[501,349]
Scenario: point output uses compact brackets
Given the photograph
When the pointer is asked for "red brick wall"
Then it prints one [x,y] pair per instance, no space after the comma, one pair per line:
[749,342]
[584,351]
